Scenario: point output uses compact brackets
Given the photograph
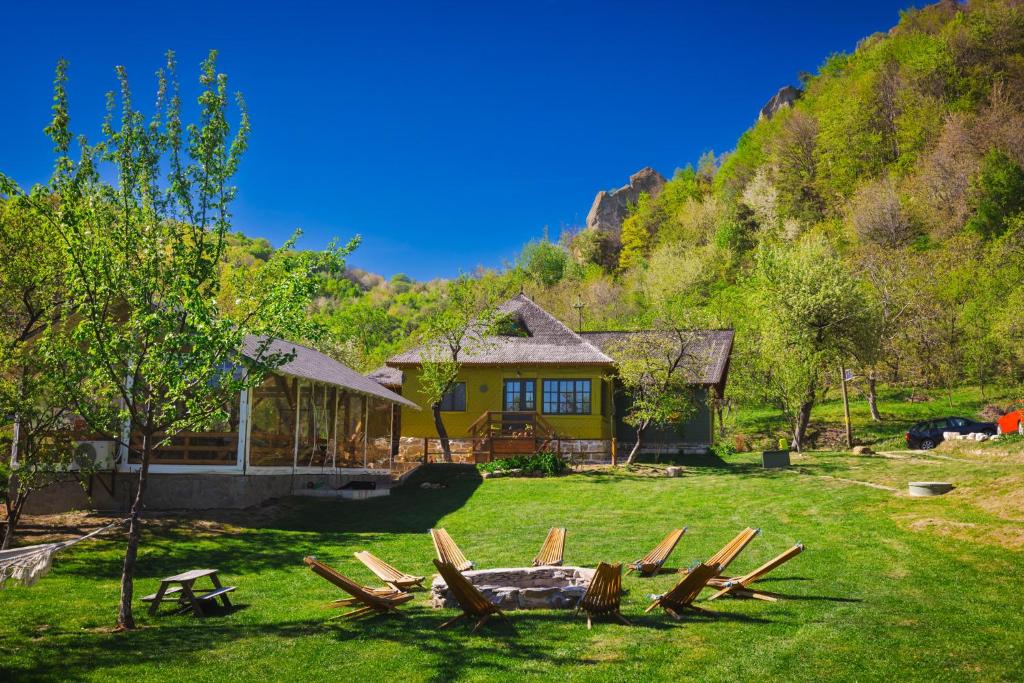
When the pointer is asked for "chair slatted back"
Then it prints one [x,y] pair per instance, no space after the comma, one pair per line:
[448,552]
[384,571]
[660,553]
[733,548]
[686,591]
[349,586]
[768,566]
[603,593]
[551,552]
[471,600]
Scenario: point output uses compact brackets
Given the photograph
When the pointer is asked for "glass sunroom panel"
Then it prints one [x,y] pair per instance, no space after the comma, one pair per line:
[352,444]
[272,436]
[316,418]
[216,446]
[378,432]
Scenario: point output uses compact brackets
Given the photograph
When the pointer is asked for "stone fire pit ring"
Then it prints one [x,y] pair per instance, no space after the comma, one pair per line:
[521,587]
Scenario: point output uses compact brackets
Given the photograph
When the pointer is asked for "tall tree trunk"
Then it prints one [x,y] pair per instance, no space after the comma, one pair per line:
[636,446]
[442,433]
[803,418]
[873,396]
[846,407]
[13,514]
[720,414]
[125,618]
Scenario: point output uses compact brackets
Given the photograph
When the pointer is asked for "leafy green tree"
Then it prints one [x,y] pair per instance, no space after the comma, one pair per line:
[636,233]
[655,367]
[33,306]
[151,347]
[810,314]
[997,193]
[361,334]
[401,283]
[465,315]
[544,261]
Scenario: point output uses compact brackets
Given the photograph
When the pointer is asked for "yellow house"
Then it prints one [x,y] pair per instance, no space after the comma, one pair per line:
[539,387]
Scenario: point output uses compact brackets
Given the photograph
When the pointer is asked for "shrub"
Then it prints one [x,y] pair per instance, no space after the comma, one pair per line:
[723,450]
[544,463]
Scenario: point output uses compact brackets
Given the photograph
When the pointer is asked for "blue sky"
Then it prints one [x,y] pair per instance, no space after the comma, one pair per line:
[447,135]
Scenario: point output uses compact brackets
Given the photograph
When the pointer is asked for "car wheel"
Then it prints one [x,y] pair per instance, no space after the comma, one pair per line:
[927,444]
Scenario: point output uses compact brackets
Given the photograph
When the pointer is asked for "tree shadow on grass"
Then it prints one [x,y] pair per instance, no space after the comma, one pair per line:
[173,543]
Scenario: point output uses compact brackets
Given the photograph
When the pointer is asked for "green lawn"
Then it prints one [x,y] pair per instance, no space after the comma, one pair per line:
[888,588]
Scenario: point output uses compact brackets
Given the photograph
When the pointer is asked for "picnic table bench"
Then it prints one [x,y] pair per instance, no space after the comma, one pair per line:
[184,594]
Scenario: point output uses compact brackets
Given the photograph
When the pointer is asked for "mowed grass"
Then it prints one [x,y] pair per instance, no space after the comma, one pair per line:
[889,588]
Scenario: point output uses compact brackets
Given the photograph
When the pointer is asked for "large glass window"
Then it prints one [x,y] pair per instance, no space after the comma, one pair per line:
[378,431]
[520,395]
[316,415]
[567,396]
[216,446]
[454,399]
[272,436]
[352,431]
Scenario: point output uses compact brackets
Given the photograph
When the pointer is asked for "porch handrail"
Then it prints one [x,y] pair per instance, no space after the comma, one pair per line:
[481,427]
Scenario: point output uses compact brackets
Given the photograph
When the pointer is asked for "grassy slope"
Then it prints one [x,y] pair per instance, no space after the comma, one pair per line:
[889,587]
[897,412]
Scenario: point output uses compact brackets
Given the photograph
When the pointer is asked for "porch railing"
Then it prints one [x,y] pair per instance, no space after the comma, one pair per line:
[499,434]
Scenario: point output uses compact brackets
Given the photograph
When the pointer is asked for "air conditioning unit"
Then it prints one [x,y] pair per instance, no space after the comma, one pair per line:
[94,455]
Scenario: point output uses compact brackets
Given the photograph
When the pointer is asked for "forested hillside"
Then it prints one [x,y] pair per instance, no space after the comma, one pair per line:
[877,224]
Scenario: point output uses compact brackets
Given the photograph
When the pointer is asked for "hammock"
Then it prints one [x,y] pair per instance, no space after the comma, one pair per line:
[29,564]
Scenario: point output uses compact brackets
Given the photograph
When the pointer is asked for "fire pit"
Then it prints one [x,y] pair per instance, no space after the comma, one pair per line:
[522,587]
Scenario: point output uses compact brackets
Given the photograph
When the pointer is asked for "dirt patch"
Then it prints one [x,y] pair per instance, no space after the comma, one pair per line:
[1003,498]
[922,524]
[34,529]
[1010,537]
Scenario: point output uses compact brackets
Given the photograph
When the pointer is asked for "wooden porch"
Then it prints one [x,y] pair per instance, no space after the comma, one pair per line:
[502,434]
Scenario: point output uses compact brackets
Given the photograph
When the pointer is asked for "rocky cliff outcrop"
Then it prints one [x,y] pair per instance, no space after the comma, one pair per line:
[611,208]
[786,96]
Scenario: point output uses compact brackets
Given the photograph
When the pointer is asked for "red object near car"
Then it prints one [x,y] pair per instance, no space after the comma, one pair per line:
[1012,422]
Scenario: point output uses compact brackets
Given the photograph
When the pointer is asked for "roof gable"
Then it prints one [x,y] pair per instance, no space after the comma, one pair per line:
[547,341]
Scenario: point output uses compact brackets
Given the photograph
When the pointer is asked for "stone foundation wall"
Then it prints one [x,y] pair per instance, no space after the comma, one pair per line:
[419,449]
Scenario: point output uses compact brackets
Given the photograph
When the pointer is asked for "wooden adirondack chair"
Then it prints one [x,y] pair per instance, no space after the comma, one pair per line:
[551,552]
[472,602]
[651,563]
[683,594]
[730,550]
[388,574]
[448,552]
[603,594]
[739,587]
[372,600]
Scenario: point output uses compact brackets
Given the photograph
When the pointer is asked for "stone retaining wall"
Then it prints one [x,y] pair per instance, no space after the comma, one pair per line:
[414,448]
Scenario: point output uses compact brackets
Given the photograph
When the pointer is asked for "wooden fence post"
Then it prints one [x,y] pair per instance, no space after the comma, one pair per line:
[614,451]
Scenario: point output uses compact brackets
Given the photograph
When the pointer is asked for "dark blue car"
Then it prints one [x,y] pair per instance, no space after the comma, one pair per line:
[927,435]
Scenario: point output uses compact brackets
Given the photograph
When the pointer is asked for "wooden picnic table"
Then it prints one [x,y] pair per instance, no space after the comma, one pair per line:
[184,594]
